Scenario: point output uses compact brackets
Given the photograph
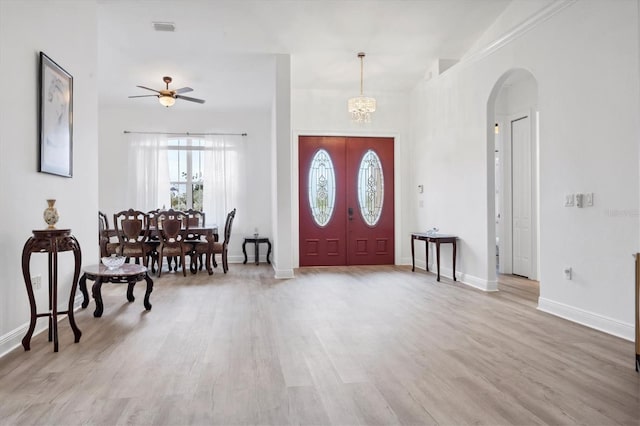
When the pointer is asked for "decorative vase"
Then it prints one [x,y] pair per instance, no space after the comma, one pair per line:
[50,215]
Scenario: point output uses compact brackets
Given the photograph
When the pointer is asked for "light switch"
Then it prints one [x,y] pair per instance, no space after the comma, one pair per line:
[588,199]
[580,200]
[568,200]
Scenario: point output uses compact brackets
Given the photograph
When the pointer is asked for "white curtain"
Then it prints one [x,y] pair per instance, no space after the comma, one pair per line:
[224,178]
[148,172]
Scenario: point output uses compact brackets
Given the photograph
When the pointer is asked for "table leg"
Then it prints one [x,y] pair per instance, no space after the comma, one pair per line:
[149,281]
[83,290]
[78,260]
[26,256]
[426,255]
[210,259]
[244,251]
[438,258]
[53,281]
[454,260]
[130,296]
[413,258]
[268,251]
[97,296]
[257,244]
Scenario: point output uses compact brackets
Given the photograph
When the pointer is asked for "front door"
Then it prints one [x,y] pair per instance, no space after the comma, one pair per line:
[346,201]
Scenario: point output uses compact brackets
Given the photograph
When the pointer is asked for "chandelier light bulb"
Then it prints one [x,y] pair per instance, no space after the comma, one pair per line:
[361,106]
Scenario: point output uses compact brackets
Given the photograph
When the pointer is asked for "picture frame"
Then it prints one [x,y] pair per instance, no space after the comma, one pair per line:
[55,118]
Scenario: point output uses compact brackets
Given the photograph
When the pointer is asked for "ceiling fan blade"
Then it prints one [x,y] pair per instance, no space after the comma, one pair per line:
[187,98]
[143,96]
[184,90]
[153,90]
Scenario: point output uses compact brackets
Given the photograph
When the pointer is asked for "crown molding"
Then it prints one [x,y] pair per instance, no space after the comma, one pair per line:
[519,30]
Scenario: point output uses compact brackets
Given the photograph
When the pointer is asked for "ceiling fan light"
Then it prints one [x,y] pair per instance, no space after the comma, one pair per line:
[166,100]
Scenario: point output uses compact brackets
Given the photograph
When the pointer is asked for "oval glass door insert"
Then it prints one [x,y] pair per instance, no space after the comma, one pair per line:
[370,187]
[322,187]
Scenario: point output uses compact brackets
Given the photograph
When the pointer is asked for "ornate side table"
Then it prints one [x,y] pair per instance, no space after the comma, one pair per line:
[256,241]
[51,241]
[128,273]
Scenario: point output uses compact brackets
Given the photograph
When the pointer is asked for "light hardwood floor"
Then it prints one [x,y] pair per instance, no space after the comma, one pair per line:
[343,346]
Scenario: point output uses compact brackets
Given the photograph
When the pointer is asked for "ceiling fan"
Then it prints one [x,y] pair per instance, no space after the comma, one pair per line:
[168,97]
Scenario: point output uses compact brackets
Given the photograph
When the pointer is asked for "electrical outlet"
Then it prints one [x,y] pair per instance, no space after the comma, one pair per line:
[36,282]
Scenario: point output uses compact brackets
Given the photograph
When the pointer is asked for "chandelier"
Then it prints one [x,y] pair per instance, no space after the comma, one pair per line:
[361,107]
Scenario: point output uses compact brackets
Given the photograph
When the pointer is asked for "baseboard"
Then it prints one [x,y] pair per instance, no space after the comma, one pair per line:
[283,274]
[13,339]
[588,319]
[470,280]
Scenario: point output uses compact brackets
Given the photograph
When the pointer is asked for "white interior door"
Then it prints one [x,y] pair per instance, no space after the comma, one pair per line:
[521,195]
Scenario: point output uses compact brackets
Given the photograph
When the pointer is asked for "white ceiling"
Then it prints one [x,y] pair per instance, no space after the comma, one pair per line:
[223,48]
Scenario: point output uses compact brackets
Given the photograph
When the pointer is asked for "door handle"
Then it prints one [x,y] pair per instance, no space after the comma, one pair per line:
[350,213]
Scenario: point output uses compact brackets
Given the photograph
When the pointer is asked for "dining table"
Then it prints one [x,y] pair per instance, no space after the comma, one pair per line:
[191,233]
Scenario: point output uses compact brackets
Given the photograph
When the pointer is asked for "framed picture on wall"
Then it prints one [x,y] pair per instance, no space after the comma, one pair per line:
[56,119]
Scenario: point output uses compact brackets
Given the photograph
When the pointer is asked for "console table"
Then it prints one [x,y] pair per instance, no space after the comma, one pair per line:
[51,241]
[128,273]
[437,239]
[256,241]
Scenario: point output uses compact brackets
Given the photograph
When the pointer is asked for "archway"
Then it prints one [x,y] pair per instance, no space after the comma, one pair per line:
[512,176]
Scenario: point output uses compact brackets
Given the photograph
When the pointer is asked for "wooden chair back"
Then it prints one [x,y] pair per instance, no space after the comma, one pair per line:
[195,218]
[132,226]
[172,224]
[227,226]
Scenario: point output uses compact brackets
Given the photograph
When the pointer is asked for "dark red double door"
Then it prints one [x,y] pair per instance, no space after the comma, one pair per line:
[346,201]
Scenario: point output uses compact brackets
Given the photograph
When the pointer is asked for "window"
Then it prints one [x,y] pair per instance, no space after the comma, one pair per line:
[322,187]
[204,173]
[186,173]
[370,188]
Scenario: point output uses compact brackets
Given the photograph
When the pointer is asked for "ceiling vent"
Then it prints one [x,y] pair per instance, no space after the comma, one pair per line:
[164,26]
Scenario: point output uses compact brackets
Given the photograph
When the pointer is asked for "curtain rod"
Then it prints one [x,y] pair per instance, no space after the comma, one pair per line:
[186,133]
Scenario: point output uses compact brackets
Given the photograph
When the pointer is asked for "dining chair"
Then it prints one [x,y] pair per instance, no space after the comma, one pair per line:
[196,219]
[221,248]
[172,238]
[200,250]
[154,238]
[107,247]
[132,228]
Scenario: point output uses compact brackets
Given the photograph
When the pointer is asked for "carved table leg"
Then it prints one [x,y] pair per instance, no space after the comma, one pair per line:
[268,251]
[83,289]
[26,256]
[149,281]
[97,296]
[130,296]
[244,251]
[78,260]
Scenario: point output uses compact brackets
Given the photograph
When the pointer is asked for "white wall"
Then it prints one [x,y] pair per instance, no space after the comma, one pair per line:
[26,28]
[585,61]
[254,210]
[324,112]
